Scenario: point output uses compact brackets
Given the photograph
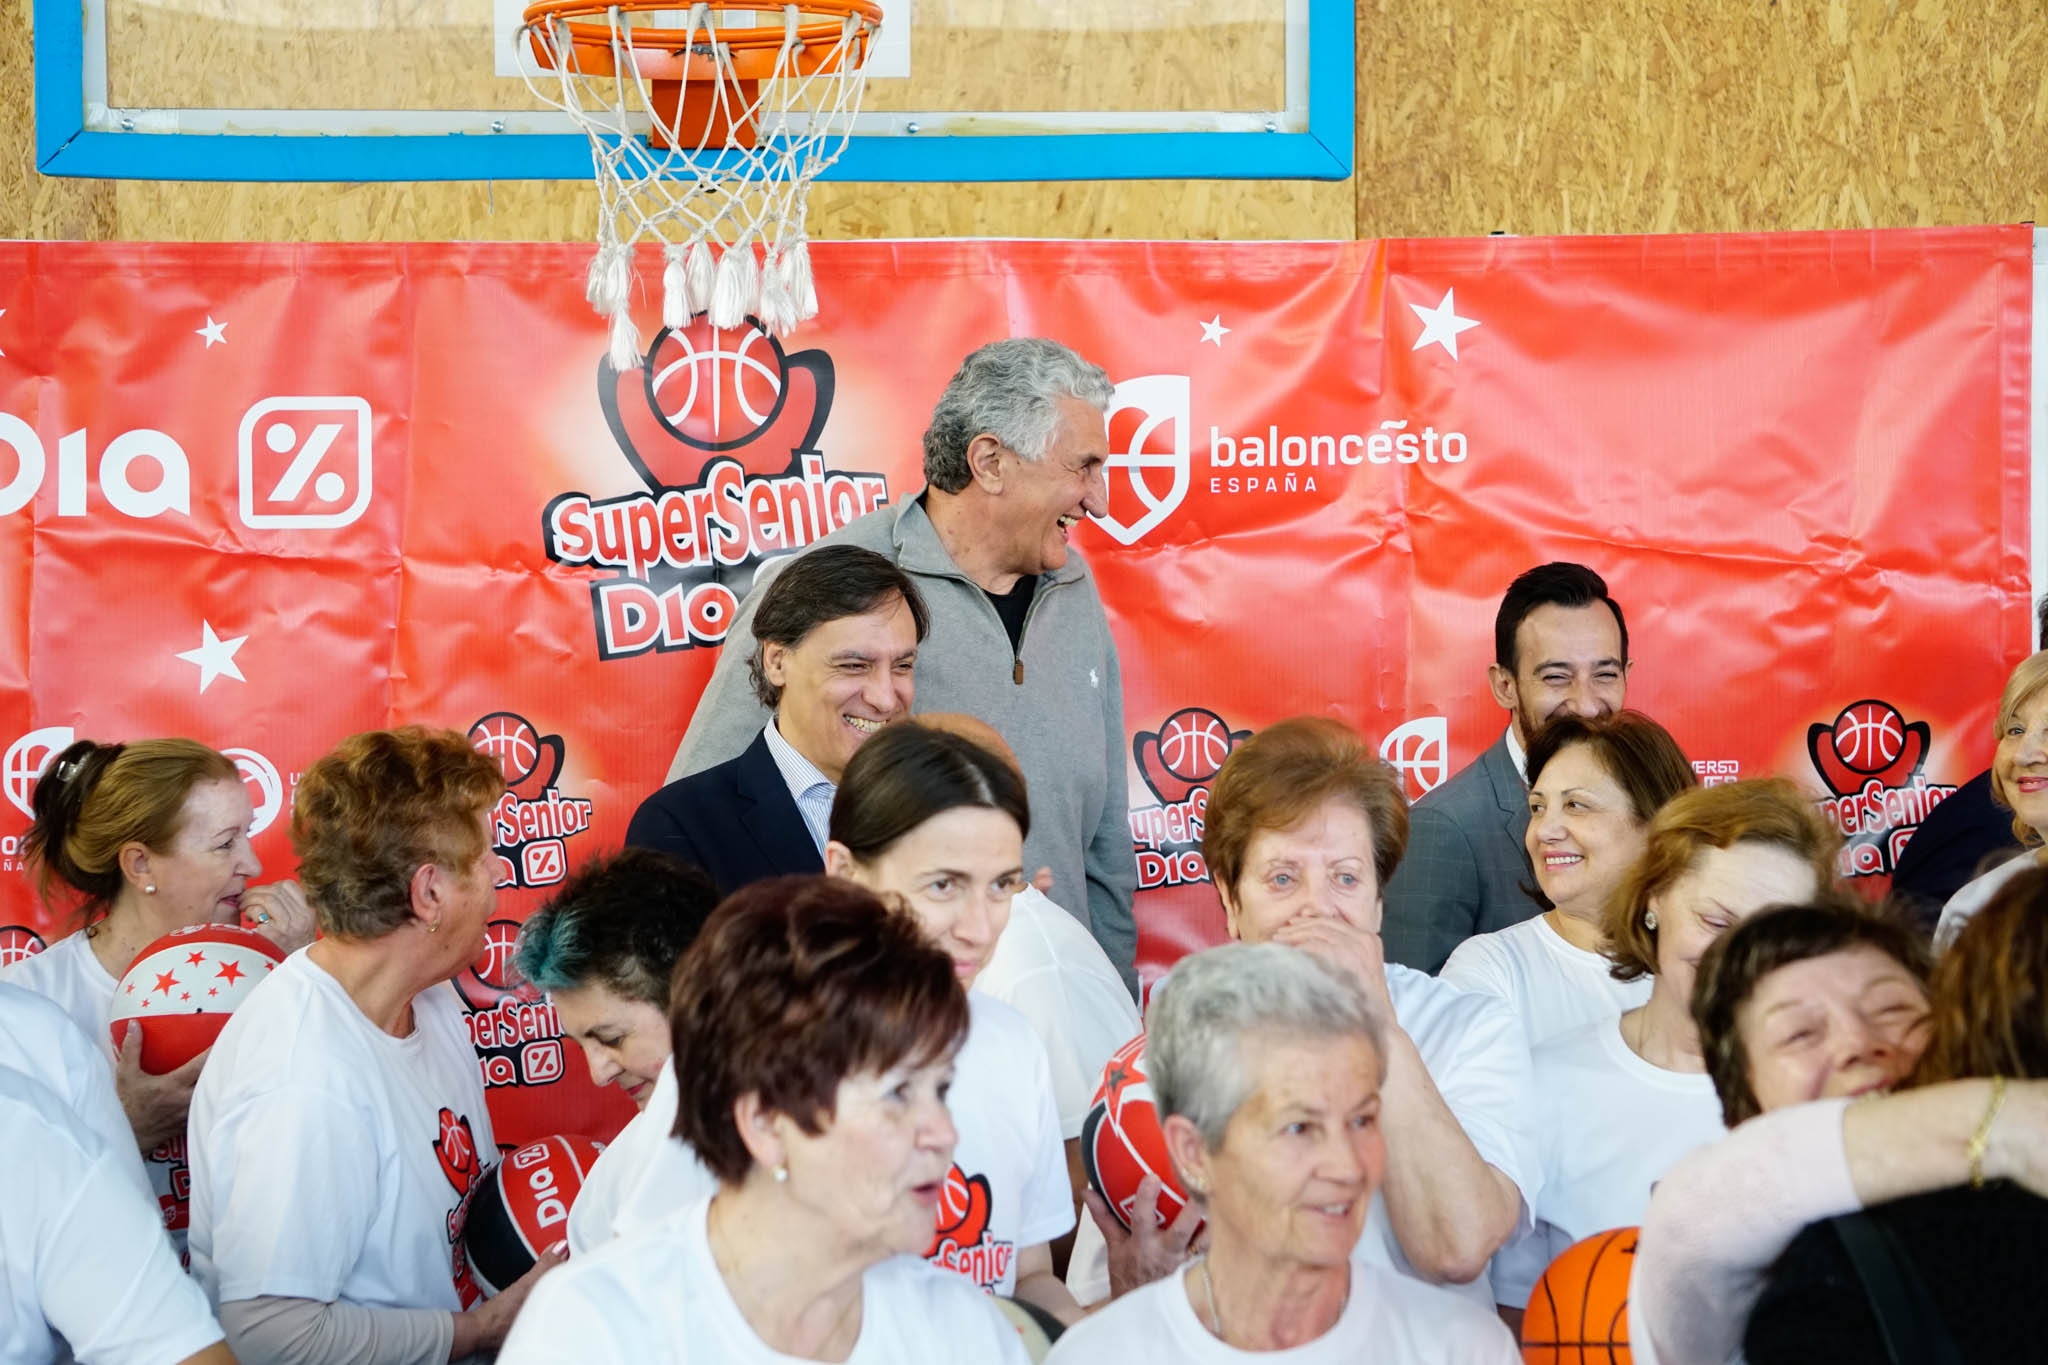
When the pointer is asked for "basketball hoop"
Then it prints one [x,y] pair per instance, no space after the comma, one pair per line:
[739,118]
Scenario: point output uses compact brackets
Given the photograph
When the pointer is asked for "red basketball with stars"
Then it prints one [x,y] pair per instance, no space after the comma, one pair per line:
[181,989]
[1121,1142]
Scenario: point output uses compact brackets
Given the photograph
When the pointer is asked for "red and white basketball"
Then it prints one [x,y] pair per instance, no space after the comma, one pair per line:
[1193,744]
[715,388]
[520,1207]
[1869,735]
[181,989]
[511,739]
[1121,1142]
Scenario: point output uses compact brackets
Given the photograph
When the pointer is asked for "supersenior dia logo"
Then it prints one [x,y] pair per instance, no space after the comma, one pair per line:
[1870,758]
[533,822]
[722,426]
[1178,762]
[1152,442]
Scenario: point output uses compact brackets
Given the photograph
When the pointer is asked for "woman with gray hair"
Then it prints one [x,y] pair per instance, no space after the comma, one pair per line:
[1266,1068]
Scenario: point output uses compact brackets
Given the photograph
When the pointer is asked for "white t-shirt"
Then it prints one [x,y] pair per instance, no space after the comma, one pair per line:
[1973,896]
[659,1297]
[1388,1319]
[1472,1046]
[1611,1124]
[329,1158]
[641,1178]
[1050,969]
[84,1270]
[40,1041]
[69,976]
[1009,1158]
[1552,985]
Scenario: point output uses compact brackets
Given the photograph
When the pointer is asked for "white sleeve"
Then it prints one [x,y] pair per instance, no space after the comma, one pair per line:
[109,1281]
[1490,1088]
[1048,1202]
[1474,965]
[560,1323]
[295,1192]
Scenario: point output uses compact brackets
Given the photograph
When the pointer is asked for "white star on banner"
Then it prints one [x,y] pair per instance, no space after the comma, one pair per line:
[213,331]
[1214,331]
[1441,324]
[215,656]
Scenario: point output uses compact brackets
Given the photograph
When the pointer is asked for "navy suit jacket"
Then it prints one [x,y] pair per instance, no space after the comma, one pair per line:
[737,821]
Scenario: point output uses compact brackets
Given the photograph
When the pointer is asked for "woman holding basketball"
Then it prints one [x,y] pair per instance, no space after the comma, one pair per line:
[1594,786]
[144,838]
[1619,1100]
[2019,782]
[341,1120]
[1808,1016]
[818,1030]
[1268,1069]
[1305,824]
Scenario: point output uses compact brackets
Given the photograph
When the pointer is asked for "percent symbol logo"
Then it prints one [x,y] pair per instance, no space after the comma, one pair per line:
[304,461]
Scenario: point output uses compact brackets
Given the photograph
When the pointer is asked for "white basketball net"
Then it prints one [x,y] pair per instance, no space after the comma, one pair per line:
[730,219]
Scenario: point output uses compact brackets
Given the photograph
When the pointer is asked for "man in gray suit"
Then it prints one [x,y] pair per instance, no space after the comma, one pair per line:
[1560,644]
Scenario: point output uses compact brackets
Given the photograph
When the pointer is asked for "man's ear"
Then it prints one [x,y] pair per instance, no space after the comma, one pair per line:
[985,463]
[775,663]
[1502,684]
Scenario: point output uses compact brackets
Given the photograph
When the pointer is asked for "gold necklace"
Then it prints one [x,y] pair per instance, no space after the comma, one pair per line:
[1215,1313]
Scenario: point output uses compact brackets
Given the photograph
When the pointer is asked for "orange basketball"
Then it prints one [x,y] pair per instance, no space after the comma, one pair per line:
[1578,1314]
[1121,1142]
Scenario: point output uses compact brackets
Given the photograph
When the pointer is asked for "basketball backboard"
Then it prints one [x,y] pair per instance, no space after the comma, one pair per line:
[960,90]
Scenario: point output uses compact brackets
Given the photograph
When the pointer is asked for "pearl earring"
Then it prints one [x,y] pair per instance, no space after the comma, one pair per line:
[782,1175]
[1650,920]
[150,889]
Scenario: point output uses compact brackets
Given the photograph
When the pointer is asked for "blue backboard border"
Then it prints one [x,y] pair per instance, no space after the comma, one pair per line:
[66,147]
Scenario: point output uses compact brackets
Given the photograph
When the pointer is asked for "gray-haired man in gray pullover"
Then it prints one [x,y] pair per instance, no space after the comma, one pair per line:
[1013,460]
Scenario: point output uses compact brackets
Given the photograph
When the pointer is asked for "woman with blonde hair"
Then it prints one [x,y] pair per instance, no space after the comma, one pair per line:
[1619,1100]
[136,840]
[2019,783]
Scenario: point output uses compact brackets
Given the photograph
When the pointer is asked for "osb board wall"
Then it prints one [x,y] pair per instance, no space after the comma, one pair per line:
[1473,116]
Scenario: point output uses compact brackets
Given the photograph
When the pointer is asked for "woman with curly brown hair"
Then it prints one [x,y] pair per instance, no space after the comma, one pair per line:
[1959,1268]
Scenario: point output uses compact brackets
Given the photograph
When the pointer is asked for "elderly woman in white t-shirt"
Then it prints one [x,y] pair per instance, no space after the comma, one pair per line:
[1304,826]
[817,1031]
[341,1119]
[2019,782]
[1267,1069]
[1620,1099]
[1594,785]
[141,839]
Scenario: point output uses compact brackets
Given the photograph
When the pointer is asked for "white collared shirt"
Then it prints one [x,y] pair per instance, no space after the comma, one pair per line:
[1518,755]
[811,789]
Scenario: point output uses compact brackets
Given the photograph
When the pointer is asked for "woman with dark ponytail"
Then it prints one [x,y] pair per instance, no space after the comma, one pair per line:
[137,840]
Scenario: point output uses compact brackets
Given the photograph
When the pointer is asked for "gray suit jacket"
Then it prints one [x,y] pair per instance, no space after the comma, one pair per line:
[1466,865]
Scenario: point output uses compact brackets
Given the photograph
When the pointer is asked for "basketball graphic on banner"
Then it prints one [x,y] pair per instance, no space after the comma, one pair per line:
[1121,1142]
[1193,744]
[512,740]
[520,1207]
[717,388]
[181,989]
[1869,736]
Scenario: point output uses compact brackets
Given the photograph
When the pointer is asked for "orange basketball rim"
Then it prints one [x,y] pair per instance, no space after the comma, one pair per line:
[603,40]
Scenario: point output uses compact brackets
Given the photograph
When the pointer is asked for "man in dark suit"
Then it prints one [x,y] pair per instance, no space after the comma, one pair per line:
[1560,644]
[836,640]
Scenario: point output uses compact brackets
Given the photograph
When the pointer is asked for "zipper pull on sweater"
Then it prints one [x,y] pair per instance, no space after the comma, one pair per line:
[1017,673]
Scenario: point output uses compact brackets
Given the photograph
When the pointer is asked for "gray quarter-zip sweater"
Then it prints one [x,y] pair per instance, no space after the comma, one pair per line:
[1057,699]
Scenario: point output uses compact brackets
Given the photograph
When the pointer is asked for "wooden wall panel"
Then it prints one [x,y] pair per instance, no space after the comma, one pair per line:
[1541,116]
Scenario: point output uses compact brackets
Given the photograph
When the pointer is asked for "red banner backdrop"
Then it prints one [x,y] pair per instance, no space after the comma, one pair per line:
[269,495]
